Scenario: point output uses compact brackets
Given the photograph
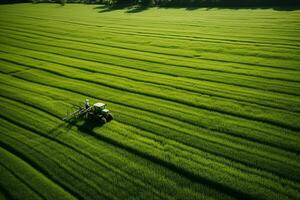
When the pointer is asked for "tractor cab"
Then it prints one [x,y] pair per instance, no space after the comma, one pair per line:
[100,108]
[101,111]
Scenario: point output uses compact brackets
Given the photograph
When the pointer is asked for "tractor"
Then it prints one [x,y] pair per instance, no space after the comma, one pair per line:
[96,113]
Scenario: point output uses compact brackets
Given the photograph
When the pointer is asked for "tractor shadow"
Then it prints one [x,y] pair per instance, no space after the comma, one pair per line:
[133,8]
[64,127]
[83,125]
[127,8]
[87,126]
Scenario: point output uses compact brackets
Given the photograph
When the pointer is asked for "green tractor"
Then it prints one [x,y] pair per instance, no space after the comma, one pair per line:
[96,113]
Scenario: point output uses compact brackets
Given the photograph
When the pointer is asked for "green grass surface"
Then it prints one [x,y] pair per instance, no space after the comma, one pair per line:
[206,103]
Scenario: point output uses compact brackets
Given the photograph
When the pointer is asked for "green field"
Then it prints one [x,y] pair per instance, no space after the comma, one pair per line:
[206,103]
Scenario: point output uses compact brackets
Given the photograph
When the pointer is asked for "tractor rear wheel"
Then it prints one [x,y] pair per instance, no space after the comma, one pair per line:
[103,120]
[109,117]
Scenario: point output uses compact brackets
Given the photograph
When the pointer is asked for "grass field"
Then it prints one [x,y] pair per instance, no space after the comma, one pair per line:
[206,103]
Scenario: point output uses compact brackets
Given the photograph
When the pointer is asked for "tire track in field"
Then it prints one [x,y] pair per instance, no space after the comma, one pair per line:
[232,175]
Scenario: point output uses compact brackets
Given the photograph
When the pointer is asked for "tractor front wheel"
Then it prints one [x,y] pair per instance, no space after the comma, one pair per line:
[109,117]
[103,120]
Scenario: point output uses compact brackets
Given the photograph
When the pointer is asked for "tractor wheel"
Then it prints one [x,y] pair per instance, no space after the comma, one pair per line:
[103,120]
[109,117]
